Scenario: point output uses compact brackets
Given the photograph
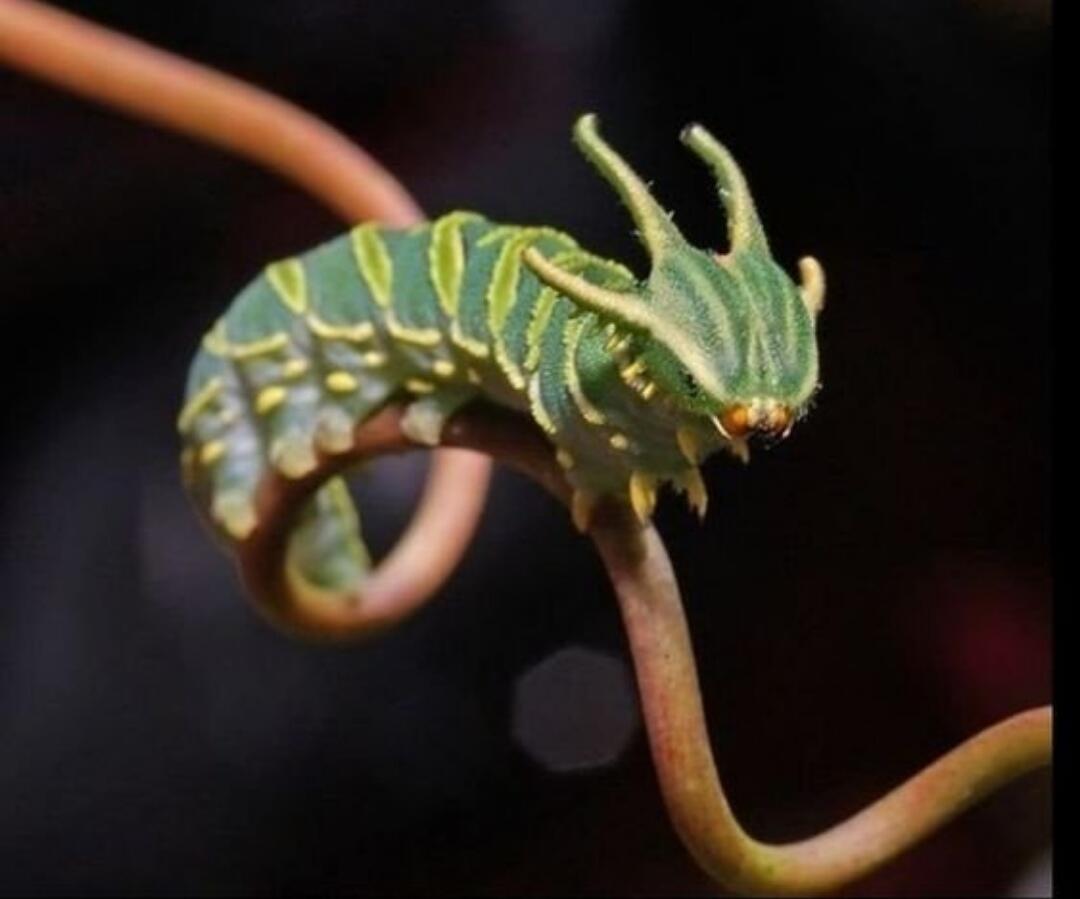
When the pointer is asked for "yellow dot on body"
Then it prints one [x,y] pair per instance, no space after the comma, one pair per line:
[341,382]
[294,368]
[373,359]
[211,452]
[418,385]
[619,441]
[443,368]
[564,458]
[270,398]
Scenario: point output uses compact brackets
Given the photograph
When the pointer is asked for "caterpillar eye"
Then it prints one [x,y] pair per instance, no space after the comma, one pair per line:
[772,419]
[779,420]
[735,420]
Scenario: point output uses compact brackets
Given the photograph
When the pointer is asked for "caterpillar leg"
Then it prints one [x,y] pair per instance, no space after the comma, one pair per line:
[321,583]
[223,454]
[426,416]
[326,558]
[289,426]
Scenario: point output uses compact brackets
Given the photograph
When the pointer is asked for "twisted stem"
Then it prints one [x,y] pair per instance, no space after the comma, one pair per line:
[671,701]
[652,612]
[156,86]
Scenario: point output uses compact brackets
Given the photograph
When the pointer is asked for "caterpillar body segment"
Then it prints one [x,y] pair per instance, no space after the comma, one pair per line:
[634,381]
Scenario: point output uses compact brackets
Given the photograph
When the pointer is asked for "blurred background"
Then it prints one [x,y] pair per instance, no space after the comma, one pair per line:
[862,597]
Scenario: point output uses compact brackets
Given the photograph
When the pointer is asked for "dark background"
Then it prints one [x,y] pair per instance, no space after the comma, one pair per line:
[862,597]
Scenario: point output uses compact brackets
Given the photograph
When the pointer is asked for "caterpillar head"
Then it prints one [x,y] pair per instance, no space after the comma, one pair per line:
[727,339]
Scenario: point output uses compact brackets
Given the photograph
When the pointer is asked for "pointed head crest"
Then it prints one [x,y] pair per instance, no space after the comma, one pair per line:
[744,227]
[729,338]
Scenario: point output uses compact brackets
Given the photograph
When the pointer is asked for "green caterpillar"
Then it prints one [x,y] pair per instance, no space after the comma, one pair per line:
[634,382]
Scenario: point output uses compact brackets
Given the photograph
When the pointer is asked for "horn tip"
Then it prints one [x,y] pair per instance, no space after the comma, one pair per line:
[689,133]
[812,288]
[587,122]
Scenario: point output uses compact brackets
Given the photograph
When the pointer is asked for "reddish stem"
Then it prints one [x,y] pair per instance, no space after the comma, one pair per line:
[659,639]
[671,701]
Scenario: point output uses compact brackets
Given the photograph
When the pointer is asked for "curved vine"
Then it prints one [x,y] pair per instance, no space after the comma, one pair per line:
[663,656]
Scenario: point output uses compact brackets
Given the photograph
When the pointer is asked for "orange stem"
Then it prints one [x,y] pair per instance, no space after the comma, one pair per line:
[671,700]
[663,656]
[157,86]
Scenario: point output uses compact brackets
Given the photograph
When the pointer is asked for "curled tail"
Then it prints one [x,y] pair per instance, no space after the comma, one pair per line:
[298,539]
[232,446]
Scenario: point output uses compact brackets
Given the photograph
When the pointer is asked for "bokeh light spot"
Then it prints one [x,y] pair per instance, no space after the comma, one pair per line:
[576,710]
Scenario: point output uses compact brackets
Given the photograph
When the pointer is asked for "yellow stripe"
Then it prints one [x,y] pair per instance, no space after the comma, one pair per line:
[574,329]
[426,337]
[512,372]
[502,289]
[536,406]
[502,292]
[205,396]
[446,259]
[270,344]
[288,279]
[545,303]
[354,333]
[471,346]
[373,260]
[218,343]
[502,232]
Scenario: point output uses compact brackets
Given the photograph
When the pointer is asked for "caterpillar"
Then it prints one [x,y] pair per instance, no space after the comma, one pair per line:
[634,381]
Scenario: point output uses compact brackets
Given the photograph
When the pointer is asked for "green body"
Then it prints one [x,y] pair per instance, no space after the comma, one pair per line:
[630,379]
